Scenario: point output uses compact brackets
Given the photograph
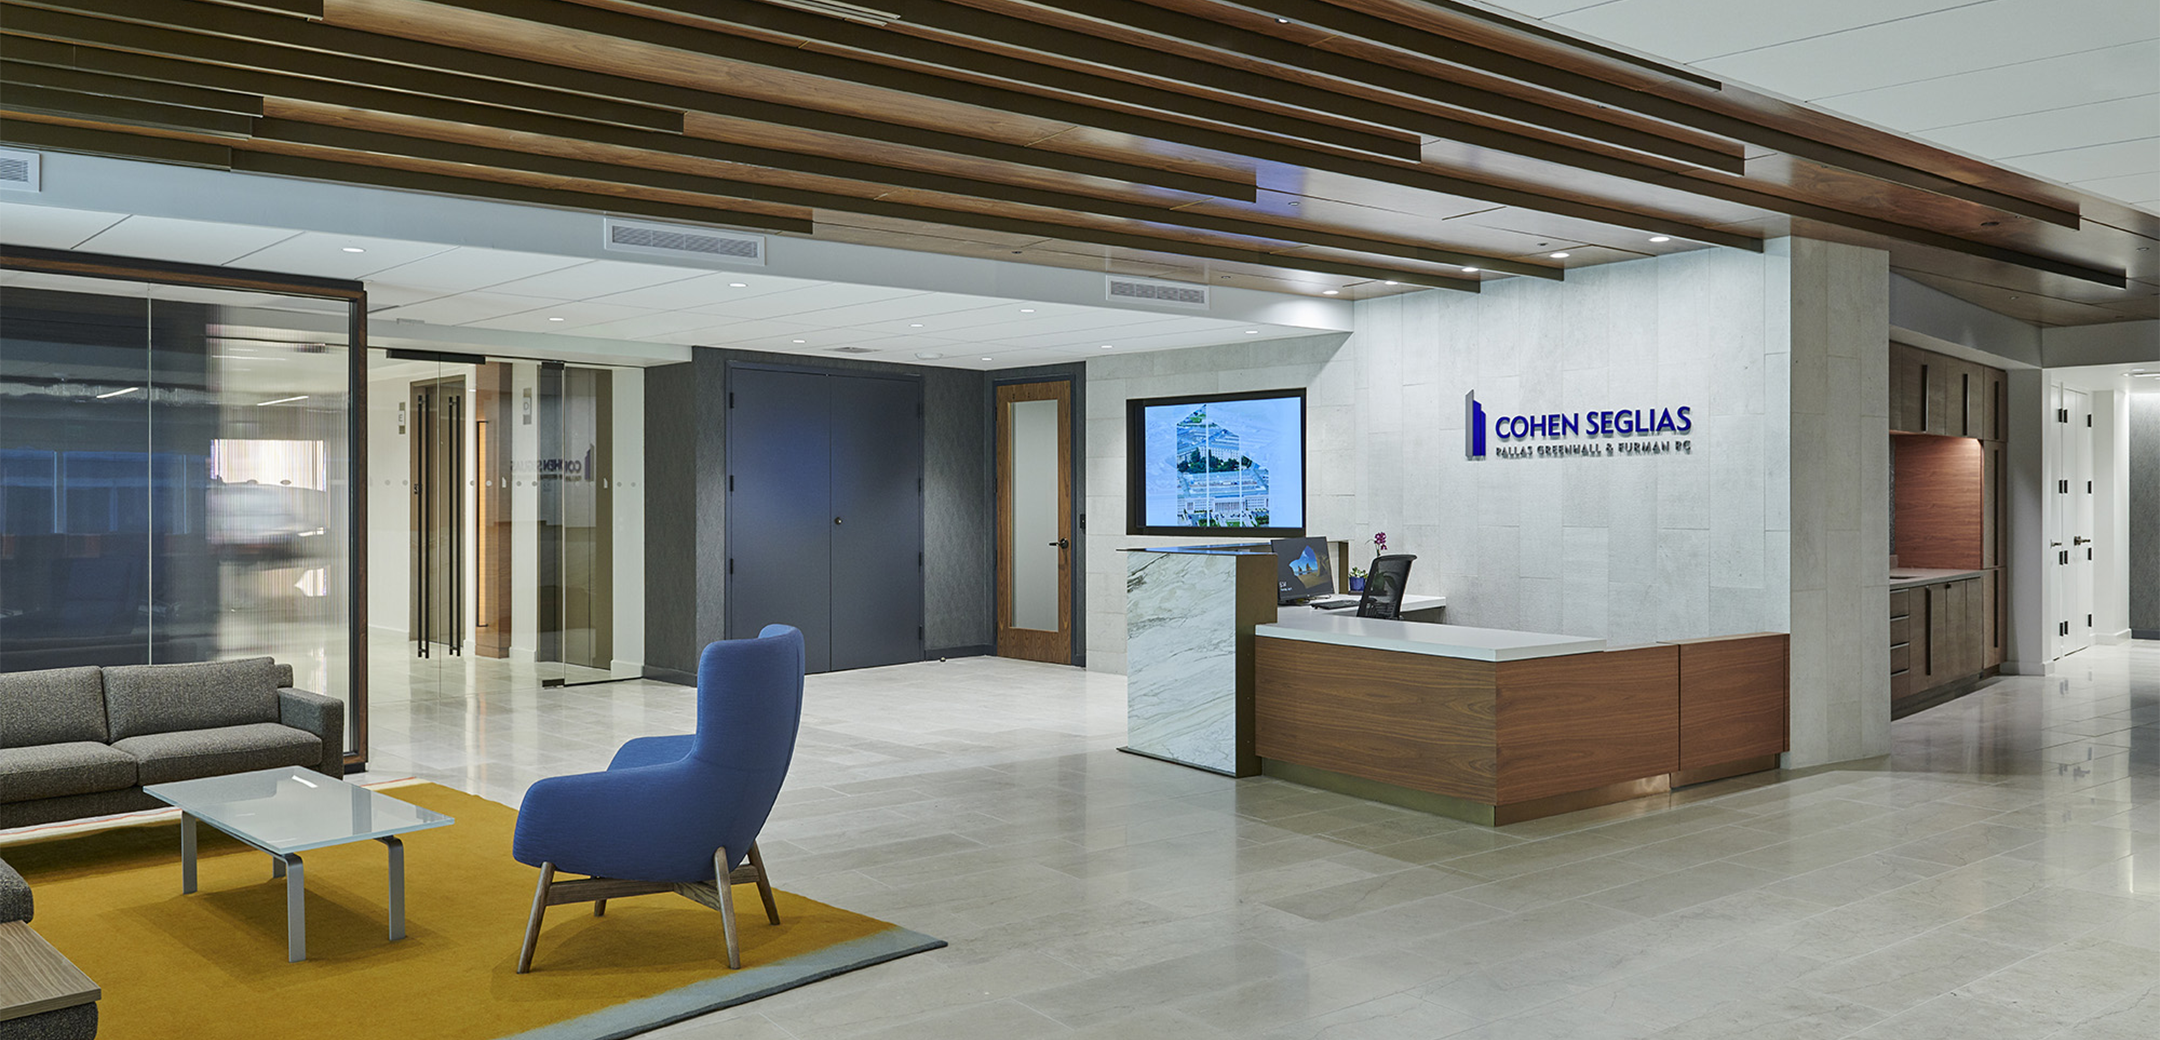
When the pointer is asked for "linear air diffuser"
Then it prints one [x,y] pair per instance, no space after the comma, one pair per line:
[19,170]
[638,236]
[1149,290]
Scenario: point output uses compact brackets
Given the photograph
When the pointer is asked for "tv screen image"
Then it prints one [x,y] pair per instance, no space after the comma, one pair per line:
[1233,461]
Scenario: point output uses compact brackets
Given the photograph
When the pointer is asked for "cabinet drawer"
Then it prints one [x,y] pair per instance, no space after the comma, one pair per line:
[1900,604]
[1900,658]
[1900,630]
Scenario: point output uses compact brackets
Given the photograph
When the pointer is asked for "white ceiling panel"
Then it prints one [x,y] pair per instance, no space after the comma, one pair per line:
[574,317]
[325,256]
[728,333]
[1693,30]
[923,307]
[467,268]
[182,241]
[1048,325]
[2141,189]
[2119,120]
[463,308]
[819,298]
[597,278]
[650,325]
[820,344]
[50,227]
[2041,85]
[1942,43]
[704,290]
[2119,159]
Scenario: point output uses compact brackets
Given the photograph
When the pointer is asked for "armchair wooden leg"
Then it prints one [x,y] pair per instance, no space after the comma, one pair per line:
[764,885]
[721,862]
[539,910]
[599,908]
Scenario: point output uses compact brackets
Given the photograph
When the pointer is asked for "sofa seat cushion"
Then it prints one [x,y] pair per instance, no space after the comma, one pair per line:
[166,757]
[51,706]
[58,770]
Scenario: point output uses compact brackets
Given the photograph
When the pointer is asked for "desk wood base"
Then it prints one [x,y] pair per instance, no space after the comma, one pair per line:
[1502,742]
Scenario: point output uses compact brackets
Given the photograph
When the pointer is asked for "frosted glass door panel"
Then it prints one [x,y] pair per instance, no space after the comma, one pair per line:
[1035,515]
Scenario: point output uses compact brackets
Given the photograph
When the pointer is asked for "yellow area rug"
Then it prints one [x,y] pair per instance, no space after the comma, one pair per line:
[213,964]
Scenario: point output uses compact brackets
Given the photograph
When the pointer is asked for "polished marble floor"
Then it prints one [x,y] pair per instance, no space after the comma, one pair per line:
[1997,876]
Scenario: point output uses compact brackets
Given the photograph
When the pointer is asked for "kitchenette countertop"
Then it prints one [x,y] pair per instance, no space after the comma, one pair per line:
[1913,577]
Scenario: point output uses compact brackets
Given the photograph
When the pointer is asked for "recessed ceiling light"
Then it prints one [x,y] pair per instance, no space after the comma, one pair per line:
[1469,270]
[987,359]
[1393,283]
[914,324]
[929,355]
[1106,346]
[798,341]
[1330,292]
[1252,332]
[116,393]
[354,249]
[1557,256]
[1027,310]
[554,319]
[738,285]
[1660,238]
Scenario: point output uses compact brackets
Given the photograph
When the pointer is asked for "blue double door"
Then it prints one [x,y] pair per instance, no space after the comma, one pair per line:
[825,512]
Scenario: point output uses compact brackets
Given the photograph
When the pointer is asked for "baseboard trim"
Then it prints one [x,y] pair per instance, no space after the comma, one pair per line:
[2145,633]
[943,653]
[668,675]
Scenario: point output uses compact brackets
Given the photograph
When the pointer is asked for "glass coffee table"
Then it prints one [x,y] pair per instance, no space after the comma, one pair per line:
[285,812]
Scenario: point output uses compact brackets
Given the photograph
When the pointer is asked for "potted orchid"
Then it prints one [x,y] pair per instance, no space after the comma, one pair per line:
[1357,574]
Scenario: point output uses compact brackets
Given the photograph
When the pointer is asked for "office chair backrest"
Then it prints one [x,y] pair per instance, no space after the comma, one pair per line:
[1385,581]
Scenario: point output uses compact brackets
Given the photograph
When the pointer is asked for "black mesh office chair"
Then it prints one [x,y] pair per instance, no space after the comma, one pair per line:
[1384,584]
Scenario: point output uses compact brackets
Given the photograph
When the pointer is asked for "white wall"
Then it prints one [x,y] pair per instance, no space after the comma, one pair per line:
[2111,516]
[629,519]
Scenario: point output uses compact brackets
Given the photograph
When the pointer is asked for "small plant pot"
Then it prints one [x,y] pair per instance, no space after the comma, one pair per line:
[1357,584]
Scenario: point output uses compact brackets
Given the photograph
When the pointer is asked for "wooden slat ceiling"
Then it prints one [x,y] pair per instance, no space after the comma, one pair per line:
[1362,146]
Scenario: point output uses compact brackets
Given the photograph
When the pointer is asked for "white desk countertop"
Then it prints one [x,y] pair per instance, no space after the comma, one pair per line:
[1411,637]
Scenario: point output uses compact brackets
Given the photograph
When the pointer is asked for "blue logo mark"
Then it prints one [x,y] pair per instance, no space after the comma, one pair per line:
[1473,427]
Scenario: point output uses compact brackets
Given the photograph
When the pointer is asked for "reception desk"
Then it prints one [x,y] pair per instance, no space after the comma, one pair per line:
[1498,726]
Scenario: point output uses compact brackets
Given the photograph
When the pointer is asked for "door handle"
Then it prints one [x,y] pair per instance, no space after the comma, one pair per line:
[2052,545]
[2079,540]
[837,520]
[1062,543]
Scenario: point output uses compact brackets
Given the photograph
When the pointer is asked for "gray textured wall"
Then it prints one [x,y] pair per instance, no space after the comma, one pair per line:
[686,517]
[2145,515]
[671,643]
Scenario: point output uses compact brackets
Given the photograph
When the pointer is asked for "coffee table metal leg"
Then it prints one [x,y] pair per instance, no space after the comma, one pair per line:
[277,867]
[295,909]
[187,853]
[397,887]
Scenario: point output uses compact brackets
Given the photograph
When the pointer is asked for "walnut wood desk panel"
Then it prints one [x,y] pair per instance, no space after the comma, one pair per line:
[1562,725]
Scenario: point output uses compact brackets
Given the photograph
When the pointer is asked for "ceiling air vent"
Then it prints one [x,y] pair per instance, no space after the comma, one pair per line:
[18,170]
[1148,290]
[634,236]
[852,350]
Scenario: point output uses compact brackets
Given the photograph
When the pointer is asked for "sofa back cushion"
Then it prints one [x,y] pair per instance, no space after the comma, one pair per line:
[168,698]
[52,706]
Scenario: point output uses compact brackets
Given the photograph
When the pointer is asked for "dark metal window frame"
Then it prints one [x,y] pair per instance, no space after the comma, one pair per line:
[354,295]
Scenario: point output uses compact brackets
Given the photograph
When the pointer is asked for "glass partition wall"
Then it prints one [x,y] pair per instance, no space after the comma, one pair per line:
[505,527]
[177,474]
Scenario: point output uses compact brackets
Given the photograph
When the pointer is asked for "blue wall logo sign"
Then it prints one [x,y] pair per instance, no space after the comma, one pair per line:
[1624,431]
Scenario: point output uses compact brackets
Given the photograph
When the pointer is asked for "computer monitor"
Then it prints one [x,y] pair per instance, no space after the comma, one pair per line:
[1301,569]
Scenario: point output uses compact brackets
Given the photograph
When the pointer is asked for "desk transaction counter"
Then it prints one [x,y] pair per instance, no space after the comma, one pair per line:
[1497,726]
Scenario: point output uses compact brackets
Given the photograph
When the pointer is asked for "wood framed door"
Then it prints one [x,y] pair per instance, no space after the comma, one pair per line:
[1034,521]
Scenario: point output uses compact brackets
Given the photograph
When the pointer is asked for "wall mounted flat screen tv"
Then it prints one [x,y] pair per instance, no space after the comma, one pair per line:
[1231,464]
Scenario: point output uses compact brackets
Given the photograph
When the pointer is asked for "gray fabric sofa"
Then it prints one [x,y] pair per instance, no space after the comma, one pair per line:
[75,1023]
[78,742]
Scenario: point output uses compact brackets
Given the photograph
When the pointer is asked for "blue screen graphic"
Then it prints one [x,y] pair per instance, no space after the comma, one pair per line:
[1225,463]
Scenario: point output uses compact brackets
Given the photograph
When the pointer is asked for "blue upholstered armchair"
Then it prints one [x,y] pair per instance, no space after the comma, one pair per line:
[676,814]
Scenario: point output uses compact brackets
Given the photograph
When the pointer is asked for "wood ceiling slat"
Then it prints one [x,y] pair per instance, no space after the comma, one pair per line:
[515,83]
[861,42]
[28,98]
[17,73]
[838,68]
[399,145]
[870,180]
[1021,37]
[1570,77]
[32,133]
